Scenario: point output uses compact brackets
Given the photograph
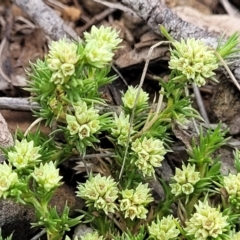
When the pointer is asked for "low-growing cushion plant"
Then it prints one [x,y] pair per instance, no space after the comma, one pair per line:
[119,200]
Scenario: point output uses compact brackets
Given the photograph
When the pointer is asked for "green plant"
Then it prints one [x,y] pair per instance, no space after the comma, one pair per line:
[119,201]
[8,238]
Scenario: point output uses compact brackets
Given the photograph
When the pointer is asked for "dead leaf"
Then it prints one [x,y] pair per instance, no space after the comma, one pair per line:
[193,4]
[71,14]
[212,23]
[137,56]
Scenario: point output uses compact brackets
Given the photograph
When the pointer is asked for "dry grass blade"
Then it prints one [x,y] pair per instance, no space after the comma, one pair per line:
[228,70]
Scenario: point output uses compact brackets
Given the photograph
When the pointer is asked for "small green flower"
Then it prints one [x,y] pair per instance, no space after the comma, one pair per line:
[62,51]
[206,222]
[194,60]
[185,180]
[93,125]
[97,55]
[67,69]
[148,153]
[24,154]
[54,64]
[73,125]
[121,128]
[100,192]
[7,179]
[85,114]
[133,201]
[47,176]
[176,189]
[105,36]
[129,97]
[187,188]
[232,185]
[133,212]
[61,60]
[141,195]
[164,229]
[84,131]
[100,43]
[85,122]
[58,77]
[92,236]
[81,114]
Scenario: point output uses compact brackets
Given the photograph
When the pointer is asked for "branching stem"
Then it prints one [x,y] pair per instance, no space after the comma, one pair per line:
[136,99]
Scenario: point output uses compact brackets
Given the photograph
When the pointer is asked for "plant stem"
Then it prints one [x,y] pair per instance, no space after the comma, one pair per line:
[135,101]
[190,205]
[202,169]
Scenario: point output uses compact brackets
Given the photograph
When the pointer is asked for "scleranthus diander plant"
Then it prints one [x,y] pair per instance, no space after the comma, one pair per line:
[120,196]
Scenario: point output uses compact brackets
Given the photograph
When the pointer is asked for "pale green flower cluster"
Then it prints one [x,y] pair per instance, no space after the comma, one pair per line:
[232,185]
[130,95]
[194,60]
[121,128]
[148,153]
[134,201]
[84,122]
[104,35]
[164,229]
[92,236]
[61,60]
[206,222]
[100,43]
[47,176]
[7,179]
[24,154]
[185,180]
[100,192]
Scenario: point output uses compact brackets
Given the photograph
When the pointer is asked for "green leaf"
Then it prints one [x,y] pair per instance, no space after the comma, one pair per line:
[208,143]
[8,238]
[165,33]
[229,47]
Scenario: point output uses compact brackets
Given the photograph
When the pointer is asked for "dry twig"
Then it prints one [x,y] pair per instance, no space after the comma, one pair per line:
[46,18]
[230,9]
[95,19]
[24,104]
